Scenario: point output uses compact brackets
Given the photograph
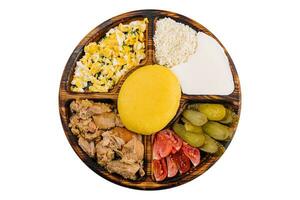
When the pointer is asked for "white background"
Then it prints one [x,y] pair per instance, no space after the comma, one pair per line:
[36,39]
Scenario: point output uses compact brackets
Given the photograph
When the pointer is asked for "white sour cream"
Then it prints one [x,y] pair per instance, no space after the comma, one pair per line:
[207,72]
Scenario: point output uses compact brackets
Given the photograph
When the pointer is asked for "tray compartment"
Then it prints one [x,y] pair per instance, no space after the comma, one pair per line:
[207,160]
[94,36]
[199,28]
[91,162]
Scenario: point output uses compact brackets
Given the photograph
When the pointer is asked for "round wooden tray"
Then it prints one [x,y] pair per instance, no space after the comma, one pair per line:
[66,96]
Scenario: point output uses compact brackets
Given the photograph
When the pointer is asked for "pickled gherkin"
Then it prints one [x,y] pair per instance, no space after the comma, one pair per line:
[193,139]
[192,128]
[210,145]
[228,117]
[217,131]
[213,112]
[195,117]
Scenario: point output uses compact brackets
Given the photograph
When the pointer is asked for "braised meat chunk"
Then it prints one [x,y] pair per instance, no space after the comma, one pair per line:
[133,151]
[124,169]
[88,147]
[105,120]
[107,147]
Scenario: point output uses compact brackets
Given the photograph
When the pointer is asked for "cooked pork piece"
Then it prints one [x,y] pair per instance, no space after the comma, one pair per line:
[92,127]
[75,106]
[74,120]
[92,136]
[105,120]
[104,154]
[99,108]
[123,133]
[107,147]
[87,147]
[84,114]
[124,169]
[112,140]
[78,105]
[82,127]
[133,151]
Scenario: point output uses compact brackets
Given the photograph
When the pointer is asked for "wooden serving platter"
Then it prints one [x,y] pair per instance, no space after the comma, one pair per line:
[66,96]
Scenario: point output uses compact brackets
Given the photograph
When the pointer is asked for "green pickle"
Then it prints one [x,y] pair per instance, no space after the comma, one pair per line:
[215,112]
[193,139]
[228,117]
[195,117]
[217,131]
[192,128]
[210,145]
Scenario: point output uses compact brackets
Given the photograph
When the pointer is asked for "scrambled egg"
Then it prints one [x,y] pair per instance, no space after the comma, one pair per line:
[104,63]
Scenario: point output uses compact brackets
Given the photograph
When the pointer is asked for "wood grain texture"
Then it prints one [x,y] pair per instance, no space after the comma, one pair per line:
[66,96]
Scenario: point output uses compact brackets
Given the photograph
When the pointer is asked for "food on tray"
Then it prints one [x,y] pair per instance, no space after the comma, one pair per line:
[207,71]
[165,142]
[190,127]
[196,118]
[191,153]
[192,138]
[160,170]
[174,42]
[182,161]
[103,137]
[149,99]
[217,131]
[206,135]
[171,155]
[214,112]
[106,61]
[210,145]
[228,117]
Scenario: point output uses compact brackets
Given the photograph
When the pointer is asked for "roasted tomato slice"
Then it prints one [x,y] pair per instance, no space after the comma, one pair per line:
[182,161]
[162,146]
[172,166]
[155,150]
[175,140]
[159,169]
[192,153]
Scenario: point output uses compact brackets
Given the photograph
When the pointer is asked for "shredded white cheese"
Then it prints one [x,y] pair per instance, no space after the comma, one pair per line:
[174,42]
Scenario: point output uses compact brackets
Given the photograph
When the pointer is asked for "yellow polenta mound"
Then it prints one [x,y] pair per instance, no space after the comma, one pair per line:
[149,99]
